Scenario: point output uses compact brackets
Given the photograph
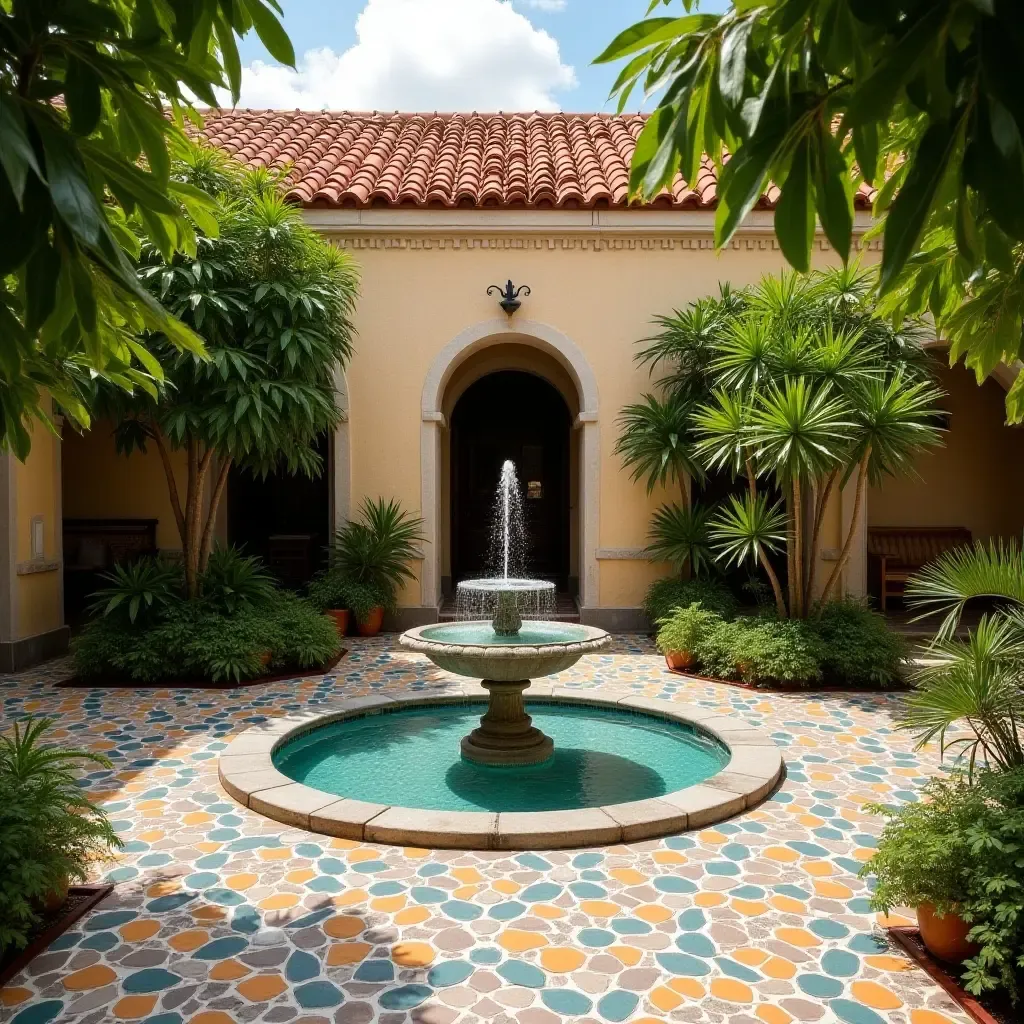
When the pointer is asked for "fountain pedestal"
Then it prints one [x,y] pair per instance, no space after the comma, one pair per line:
[506,735]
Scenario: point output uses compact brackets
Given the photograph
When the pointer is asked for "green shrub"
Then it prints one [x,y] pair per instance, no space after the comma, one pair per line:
[962,849]
[761,650]
[140,591]
[860,649]
[233,581]
[685,628]
[194,642]
[326,590]
[49,830]
[669,593]
[779,651]
[716,650]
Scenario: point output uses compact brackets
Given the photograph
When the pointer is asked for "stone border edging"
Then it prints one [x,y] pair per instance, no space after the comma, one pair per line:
[247,773]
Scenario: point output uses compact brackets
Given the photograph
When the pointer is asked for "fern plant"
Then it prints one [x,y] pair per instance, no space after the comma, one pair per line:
[50,832]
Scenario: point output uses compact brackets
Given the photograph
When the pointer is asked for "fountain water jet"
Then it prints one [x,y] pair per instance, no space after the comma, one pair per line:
[499,651]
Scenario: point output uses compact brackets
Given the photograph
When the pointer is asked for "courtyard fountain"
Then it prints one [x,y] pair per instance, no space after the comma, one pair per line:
[413,767]
[503,639]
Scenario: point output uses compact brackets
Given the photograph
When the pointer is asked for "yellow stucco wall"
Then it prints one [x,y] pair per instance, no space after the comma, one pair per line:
[100,483]
[415,300]
[37,493]
[974,480]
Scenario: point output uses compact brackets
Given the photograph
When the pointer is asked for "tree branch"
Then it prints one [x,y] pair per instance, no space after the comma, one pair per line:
[218,492]
[172,483]
[819,515]
[858,501]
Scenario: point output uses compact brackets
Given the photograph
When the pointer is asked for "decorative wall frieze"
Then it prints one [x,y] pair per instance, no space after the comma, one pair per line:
[573,243]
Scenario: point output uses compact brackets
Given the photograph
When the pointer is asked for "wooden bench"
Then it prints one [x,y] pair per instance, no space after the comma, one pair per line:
[895,553]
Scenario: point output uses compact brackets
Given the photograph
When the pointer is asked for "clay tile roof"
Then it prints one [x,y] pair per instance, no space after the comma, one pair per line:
[347,159]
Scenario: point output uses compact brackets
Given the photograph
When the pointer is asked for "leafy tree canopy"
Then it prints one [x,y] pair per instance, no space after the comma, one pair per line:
[919,98]
[272,300]
[85,172]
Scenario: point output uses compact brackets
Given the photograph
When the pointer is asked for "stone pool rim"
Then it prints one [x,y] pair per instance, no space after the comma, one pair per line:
[247,772]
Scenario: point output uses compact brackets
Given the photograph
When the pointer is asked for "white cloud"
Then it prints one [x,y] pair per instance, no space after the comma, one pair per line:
[423,55]
[547,5]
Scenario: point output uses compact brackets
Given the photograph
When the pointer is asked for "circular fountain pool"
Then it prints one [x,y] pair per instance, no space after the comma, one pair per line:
[387,769]
[602,756]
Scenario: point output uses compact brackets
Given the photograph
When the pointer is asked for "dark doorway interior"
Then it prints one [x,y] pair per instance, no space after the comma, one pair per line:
[518,416]
[284,519]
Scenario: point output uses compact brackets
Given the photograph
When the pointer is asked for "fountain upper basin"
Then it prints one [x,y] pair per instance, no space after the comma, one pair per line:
[473,648]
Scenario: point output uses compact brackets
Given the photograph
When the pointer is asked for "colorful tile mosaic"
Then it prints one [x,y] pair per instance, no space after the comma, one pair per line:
[220,915]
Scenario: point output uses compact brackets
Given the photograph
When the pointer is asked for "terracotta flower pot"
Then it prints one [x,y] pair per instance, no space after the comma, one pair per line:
[56,897]
[680,660]
[265,658]
[340,616]
[945,937]
[370,625]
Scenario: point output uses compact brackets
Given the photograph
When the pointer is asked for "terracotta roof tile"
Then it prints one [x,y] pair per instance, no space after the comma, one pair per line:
[505,160]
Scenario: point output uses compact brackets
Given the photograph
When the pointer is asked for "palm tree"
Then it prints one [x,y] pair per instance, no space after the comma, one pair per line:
[979,681]
[794,385]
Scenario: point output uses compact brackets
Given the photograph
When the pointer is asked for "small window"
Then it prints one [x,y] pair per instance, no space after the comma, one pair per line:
[534,490]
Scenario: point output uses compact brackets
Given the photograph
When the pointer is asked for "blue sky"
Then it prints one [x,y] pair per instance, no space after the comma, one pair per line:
[444,54]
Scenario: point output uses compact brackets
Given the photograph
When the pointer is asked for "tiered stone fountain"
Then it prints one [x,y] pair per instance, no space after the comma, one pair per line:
[502,650]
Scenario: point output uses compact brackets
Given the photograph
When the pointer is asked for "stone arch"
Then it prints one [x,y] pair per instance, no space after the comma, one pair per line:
[464,345]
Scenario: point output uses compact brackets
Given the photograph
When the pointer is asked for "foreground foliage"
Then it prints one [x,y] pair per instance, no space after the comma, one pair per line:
[962,849]
[919,99]
[81,180]
[665,595]
[977,682]
[240,626]
[49,830]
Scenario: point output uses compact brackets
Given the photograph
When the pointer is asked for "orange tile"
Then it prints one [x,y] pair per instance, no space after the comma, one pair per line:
[89,977]
[262,987]
[413,954]
[134,1007]
[341,953]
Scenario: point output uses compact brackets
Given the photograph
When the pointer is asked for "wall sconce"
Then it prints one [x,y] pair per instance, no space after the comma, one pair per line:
[509,300]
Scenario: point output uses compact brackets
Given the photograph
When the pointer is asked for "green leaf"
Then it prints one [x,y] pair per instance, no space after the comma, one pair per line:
[653,30]
[794,213]
[873,99]
[16,153]
[911,207]
[744,176]
[865,147]
[732,66]
[41,273]
[833,193]
[72,197]
[82,95]
[271,33]
[229,54]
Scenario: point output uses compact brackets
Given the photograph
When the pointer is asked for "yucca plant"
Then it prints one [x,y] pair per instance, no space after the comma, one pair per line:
[978,681]
[140,591]
[234,581]
[374,550]
[794,387]
[681,535]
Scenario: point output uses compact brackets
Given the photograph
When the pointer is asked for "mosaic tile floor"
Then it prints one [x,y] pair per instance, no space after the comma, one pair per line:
[220,915]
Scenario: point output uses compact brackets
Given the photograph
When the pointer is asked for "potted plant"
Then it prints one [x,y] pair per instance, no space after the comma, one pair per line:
[925,860]
[51,831]
[328,593]
[680,632]
[372,554]
[368,604]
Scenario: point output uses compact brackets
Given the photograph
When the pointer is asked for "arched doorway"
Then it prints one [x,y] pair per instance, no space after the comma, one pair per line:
[511,414]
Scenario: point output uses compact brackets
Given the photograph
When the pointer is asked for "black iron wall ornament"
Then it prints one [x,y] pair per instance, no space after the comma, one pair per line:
[509,300]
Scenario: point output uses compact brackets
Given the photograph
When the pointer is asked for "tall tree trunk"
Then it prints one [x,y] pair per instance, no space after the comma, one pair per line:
[780,600]
[819,516]
[211,519]
[791,584]
[172,483]
[798,545]
[858,503]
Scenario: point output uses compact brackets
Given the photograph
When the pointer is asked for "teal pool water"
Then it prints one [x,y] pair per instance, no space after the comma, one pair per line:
[482,633]
[411,758]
